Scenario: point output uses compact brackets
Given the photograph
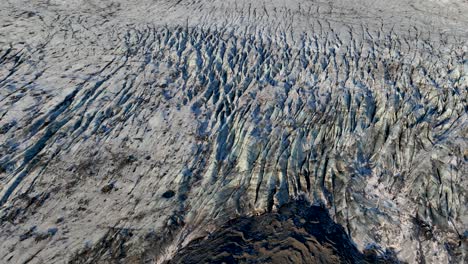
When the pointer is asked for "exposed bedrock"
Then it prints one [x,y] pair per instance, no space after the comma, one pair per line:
[296,233]
[125,137]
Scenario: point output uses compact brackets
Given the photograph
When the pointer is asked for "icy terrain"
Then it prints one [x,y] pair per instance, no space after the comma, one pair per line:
[130,130]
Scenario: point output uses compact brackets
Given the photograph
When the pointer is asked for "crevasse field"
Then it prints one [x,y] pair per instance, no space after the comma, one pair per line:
[209,131]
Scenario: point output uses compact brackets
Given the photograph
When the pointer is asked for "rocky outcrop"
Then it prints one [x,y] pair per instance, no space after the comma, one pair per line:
[297,233]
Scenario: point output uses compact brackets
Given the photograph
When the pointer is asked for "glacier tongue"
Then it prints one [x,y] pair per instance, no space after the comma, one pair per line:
[129,130]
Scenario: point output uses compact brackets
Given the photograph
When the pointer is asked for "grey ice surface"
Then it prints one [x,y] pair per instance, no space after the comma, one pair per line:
[130,128]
